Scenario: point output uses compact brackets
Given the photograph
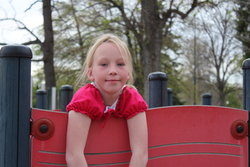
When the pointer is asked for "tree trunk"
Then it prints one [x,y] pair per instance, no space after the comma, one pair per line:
[221,92]
[152,40]
[48,45]
[242,26]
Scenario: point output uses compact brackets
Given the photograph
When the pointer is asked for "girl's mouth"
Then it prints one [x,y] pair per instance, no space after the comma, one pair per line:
[112,80]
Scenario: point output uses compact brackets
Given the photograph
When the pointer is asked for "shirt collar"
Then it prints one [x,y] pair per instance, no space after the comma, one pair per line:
[113,106]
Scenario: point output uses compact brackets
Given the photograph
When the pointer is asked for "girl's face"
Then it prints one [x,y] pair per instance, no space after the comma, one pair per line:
[109,71]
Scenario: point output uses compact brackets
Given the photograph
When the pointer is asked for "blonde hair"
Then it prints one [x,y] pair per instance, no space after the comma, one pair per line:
[122,46]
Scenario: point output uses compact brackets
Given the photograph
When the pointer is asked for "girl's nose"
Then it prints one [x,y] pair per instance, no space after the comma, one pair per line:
[112,70]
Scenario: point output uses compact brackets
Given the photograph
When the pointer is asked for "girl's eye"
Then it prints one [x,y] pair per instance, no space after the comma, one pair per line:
[103,64]
[121,64]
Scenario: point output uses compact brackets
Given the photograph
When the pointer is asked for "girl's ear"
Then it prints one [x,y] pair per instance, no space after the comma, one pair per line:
[90,75]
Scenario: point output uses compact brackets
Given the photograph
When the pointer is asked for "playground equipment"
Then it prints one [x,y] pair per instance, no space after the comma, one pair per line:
[189,136]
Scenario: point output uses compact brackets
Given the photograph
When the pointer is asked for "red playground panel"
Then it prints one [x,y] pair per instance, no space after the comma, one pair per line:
[190,136]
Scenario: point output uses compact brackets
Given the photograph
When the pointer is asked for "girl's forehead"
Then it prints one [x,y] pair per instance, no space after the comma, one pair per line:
[107,46]
[108,49]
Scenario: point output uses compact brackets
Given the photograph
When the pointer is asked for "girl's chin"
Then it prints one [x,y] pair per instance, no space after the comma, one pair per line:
[113,91]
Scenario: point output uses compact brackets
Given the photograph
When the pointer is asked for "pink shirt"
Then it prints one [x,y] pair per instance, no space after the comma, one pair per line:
[88,100]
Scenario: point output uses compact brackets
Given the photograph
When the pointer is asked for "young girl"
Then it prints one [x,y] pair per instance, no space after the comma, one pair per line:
[108,66]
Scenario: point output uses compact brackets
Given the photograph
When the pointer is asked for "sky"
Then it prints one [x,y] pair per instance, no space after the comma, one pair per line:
[32,18]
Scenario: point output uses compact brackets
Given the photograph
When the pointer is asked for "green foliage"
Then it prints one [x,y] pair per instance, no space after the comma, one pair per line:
[243,25]
[37,80]
[234,99]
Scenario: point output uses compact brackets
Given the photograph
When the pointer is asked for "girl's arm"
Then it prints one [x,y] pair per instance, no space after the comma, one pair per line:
[77,132]
[138,136]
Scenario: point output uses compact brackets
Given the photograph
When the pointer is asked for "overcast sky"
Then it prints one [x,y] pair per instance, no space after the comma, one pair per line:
[32,18]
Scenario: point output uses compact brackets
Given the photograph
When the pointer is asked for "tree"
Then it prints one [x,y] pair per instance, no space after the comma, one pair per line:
[195,71]
[46,46]
[211,53]
[243,25]
[223,53]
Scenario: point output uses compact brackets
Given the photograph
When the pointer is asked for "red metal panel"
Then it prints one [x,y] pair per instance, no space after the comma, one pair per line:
[196,136]
[190,136]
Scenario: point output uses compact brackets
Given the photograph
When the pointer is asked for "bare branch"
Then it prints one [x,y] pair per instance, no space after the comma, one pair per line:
[24,27]
[36,60]
[127,21]
[32,5]
[32,42]
[183,15]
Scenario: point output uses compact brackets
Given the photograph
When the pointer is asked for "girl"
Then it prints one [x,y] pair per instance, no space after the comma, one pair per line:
[108,66]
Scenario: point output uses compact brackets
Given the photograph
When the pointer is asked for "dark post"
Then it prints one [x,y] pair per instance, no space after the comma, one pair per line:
[246,95]
[66,93]
[206,99]
[170,96]
[157,89]
[41,99]
[246,84]
[15,82]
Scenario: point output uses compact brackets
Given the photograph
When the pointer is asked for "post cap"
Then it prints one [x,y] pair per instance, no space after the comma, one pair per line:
[16,51]
[246,64]
[41,92]
[157,76]
[66,87]
[206,95]
[170,90]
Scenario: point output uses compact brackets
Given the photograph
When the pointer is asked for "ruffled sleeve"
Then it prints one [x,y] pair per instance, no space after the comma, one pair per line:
[130,103]
[87,100]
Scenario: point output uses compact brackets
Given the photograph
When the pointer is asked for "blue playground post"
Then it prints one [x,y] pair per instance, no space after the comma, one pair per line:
[170,96]
[246,95]
[207,99]
[157,89]
[15,82]
[41,99]
[66,93]
[246,83]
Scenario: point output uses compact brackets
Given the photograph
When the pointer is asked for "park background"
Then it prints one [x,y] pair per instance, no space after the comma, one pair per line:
[199,44]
